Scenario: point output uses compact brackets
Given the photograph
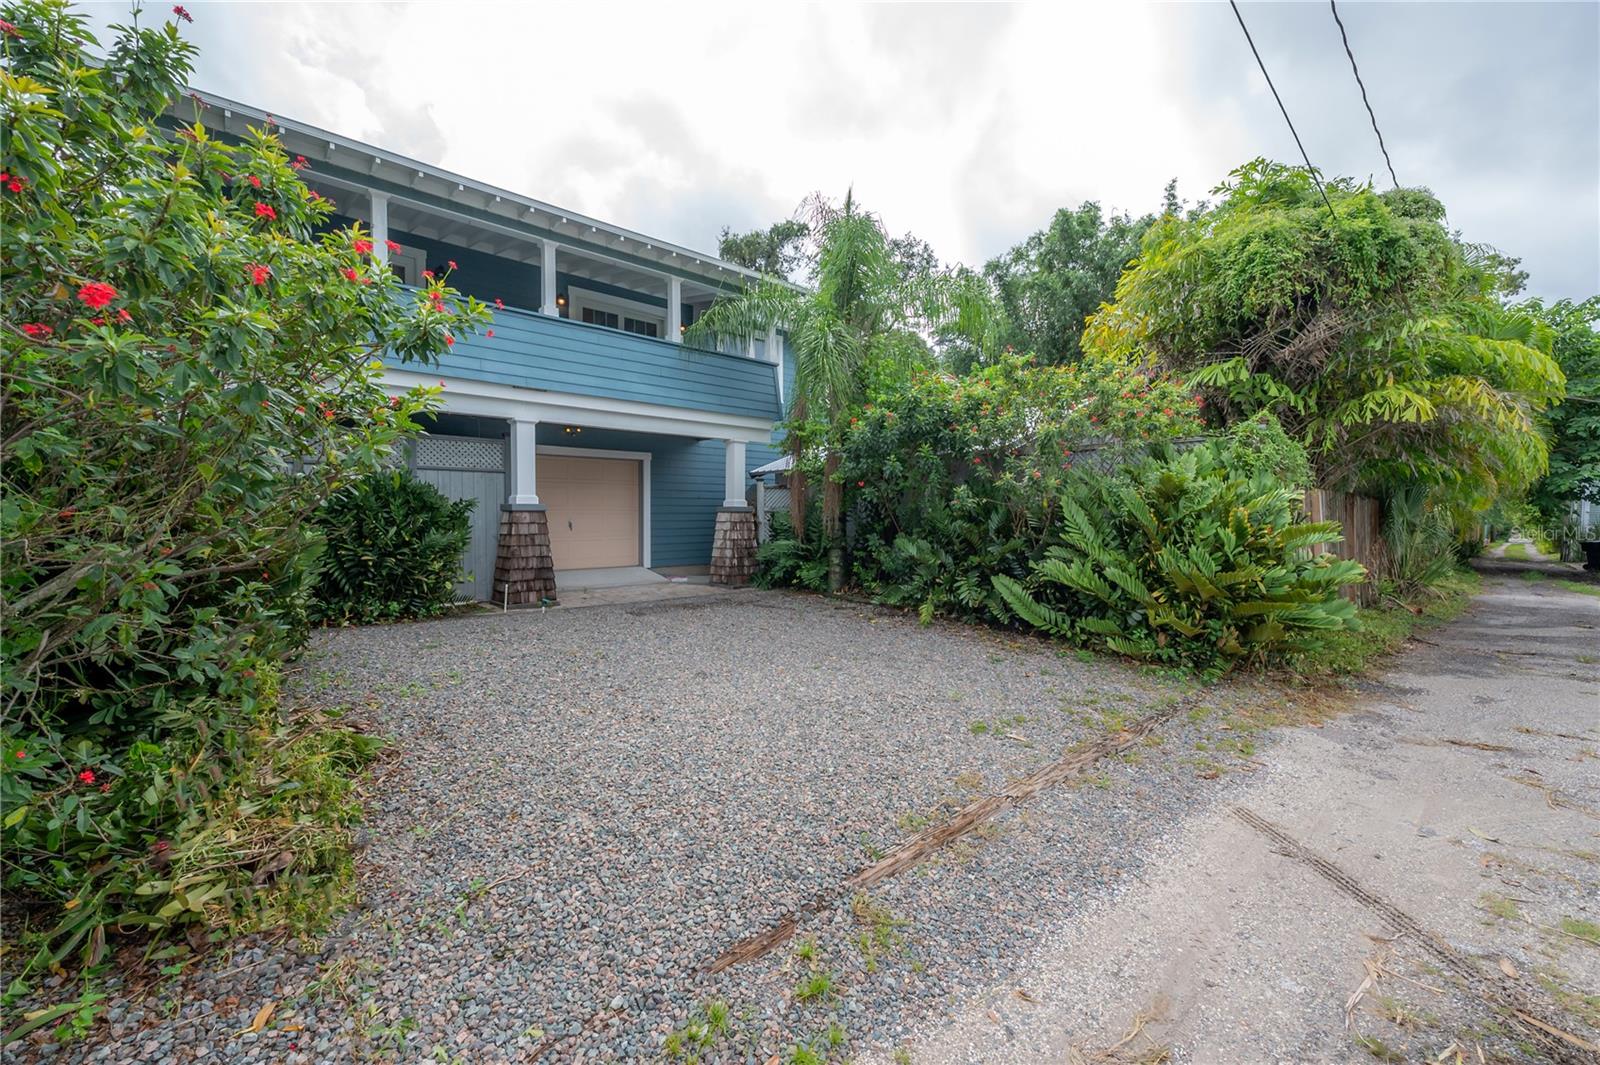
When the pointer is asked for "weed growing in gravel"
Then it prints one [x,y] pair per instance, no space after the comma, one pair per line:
[1579,587]
[836,1035]
[911,821]
[1500,906]
[1533,575]
[1583,1006]
[806,951]
[901,1056]
[874,852]
[1379,1049]
[817,987]
[1587,931]
[880,932]
[800,1054]
[969,779]
[978,728]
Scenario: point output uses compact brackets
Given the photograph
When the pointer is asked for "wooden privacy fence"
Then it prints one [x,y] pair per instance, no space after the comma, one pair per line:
[1361,518]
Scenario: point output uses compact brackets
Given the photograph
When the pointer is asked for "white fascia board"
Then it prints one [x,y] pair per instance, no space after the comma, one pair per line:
[417,166]
[488,399]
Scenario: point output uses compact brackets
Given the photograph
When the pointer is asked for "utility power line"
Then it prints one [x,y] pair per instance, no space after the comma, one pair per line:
[1333,5]
[1309,168]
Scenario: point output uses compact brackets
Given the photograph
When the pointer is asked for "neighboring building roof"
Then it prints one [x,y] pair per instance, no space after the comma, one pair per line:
[376,168]
[782,464]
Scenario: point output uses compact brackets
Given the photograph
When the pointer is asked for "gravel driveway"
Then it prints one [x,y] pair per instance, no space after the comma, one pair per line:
[586,807]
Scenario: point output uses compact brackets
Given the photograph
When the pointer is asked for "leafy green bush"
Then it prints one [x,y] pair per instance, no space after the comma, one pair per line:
[786,561]
[952,480]
[393,551]
[175,327]
[1182,559]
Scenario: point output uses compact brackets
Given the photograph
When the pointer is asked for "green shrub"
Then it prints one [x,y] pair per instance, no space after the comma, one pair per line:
[952,480]
[175,328]
[1182,559]
[784,561]
[393,551]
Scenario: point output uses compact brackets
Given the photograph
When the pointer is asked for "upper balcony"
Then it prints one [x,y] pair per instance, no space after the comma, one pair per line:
[534,350]
[590,308]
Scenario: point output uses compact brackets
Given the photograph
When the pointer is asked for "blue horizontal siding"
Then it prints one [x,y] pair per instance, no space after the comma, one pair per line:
[537,351]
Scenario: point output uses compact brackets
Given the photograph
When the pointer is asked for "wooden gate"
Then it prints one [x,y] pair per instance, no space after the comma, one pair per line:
[466,467]
[1361,518]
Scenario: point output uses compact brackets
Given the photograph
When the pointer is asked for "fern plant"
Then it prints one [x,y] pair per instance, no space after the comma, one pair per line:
[393,552]
[1184,559]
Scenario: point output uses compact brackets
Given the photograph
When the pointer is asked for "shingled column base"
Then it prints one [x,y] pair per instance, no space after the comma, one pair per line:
[524,572]
[733,547]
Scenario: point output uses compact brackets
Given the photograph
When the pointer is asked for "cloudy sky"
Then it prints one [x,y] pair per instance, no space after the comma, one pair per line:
[966,124]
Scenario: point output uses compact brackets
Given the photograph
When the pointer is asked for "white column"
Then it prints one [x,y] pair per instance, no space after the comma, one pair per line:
[547,274]
[733,473]
[675,310]
[380,227]
[524,485]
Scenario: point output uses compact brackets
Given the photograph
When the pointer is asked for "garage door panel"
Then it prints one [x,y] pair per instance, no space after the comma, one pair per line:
[592,505]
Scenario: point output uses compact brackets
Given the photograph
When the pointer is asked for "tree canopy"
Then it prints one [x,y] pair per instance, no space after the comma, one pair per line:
[777,250]
[1378,337]
[1574,425]
[1049,284]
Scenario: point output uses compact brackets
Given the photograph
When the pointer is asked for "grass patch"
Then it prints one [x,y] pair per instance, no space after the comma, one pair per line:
[818,987]
[1385,629]
[1518,553]
[1587,931]
[1500,906]
[1580,587]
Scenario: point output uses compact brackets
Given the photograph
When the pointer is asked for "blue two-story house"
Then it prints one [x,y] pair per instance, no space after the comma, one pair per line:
[589,435]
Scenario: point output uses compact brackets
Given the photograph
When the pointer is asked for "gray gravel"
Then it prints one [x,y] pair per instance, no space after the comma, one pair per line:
[586,806]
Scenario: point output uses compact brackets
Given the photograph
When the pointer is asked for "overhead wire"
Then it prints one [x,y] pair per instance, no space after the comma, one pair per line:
[1334,7]
[1256,52]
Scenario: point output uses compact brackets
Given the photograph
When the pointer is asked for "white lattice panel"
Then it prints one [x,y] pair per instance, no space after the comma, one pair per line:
[459,453]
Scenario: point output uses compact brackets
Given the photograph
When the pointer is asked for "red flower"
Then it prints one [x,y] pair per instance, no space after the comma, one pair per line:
[97,321]
[361,246]
[259,274]
[255,182]
[499,304]
[264,210]
[15,184]
[1167,411]
[350,275]
[861,484]
[177,9]
[490,333]
[123,315]
[8,29]
[428,274]
[105,788]
[87,776]
[22,754]
[299,163]
[394,249]
[451,264]
[449,341]
[35,329]
[394,401]
[97,294]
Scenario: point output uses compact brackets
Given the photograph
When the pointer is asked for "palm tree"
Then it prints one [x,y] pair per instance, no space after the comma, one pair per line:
[864,311]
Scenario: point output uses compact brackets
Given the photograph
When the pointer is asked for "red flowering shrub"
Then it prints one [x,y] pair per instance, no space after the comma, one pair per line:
[156,550]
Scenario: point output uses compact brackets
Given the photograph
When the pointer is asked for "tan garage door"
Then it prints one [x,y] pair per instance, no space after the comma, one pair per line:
[593,509]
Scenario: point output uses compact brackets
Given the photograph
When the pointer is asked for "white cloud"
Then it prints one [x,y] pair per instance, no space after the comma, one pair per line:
[968,125]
